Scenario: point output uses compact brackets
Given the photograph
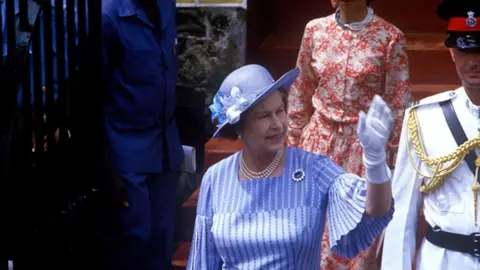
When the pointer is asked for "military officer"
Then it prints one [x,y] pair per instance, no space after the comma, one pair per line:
[143,145]
[437,165]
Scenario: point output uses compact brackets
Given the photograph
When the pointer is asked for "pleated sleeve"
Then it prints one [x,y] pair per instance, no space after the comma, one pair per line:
[350,229]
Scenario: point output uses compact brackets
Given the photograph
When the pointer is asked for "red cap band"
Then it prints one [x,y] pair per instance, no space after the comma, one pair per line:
[460,25]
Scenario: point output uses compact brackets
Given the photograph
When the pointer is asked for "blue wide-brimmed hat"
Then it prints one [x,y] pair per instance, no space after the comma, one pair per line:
[244,88]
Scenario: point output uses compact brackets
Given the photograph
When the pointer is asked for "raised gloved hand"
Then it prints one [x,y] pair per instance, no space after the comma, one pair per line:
[373,131]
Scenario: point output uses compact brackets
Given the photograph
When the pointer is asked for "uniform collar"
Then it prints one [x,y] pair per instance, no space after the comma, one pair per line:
[129,8]
[474,109]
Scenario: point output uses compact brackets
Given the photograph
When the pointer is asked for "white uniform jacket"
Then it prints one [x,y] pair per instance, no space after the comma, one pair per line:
[450,207]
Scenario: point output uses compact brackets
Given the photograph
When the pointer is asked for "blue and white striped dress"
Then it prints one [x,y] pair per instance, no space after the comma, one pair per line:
[276,222]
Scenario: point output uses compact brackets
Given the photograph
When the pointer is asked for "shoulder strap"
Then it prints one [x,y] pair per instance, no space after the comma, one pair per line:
[457,131]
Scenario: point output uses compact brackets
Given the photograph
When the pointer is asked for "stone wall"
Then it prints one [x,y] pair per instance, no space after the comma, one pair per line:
[212,44]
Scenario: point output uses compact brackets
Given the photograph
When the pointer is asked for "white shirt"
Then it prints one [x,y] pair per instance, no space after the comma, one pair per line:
[451,207]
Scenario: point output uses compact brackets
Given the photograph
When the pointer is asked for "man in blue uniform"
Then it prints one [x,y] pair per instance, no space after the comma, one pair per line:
[143,145]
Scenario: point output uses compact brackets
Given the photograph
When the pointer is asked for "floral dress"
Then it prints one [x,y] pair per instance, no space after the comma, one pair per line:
[340,72]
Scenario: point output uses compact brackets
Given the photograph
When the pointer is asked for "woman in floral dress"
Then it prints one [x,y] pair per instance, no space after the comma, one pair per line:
[344,60]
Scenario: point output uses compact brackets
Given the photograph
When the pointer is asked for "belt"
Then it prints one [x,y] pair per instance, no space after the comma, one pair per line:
[456,242]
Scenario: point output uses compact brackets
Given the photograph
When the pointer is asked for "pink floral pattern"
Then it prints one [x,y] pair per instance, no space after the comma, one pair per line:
[340,72]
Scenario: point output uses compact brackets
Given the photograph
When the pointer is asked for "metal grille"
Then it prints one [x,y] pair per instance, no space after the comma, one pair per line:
[50,141]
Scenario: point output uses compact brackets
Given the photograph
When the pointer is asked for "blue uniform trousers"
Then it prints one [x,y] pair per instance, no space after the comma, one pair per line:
[145,237]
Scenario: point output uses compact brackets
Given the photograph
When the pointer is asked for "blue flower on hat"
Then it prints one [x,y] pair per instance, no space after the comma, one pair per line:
[217,109]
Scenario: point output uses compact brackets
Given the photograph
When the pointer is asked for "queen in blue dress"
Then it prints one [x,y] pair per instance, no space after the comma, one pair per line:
[265,207]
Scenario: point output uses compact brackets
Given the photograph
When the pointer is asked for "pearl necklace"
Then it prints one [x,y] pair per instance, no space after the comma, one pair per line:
[265,173]
[355,26]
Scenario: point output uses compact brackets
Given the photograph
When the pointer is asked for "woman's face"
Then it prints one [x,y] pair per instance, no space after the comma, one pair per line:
[265,125]
[349,3]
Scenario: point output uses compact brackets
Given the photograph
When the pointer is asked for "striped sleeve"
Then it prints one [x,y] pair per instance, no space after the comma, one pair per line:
[350,230]
[203,252]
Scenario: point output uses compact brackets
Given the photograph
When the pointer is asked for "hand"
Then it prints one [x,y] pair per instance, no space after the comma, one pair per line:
[373,131]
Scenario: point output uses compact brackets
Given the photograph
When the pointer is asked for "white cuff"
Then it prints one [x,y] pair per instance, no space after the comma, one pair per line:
[379,174]
[373,158]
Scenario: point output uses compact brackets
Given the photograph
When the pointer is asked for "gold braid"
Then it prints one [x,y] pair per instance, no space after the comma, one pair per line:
[436,165]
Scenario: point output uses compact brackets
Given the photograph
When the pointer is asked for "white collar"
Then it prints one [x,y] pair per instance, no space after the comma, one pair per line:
[355,26]
[474,109]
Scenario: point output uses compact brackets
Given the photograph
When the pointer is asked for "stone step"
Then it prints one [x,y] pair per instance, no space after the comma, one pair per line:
[416,41]
[218,149]
[420,91]
[189,211]
[429,60]
[222,146]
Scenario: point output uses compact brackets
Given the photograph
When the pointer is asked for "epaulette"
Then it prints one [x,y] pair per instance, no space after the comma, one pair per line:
[434,99]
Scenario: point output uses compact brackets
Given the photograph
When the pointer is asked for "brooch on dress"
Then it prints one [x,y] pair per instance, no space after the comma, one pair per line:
[298,175]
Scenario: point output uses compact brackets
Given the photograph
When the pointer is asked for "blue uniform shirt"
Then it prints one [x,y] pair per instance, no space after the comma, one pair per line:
[139,72]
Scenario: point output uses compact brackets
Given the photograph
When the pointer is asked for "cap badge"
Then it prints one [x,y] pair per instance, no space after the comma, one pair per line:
[471,20]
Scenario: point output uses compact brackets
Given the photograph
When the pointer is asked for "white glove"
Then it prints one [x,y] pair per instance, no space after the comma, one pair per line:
[373,131]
